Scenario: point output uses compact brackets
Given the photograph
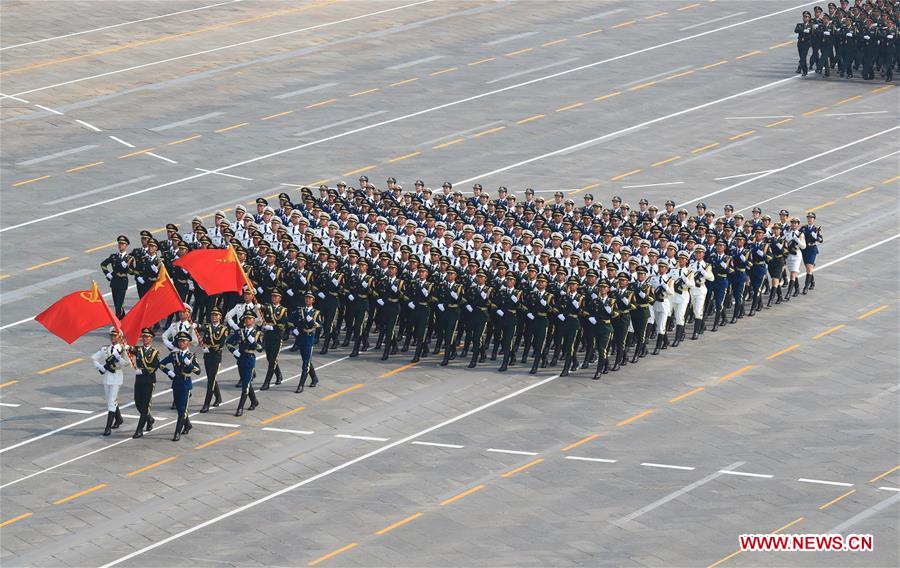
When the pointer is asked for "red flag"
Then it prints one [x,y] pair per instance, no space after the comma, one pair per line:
[215,270]
[159,301]
[76,314]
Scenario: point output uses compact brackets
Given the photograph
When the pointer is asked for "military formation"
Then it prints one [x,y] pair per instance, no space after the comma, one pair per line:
[460,278]
[861,38]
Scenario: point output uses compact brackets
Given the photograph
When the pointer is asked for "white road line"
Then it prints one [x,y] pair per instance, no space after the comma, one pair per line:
[122,142]
[330,471]
[742,175]
[340,123]
[306,90]
[287,431]
[2,96]
[10,404]
[852,254]
[735,15]
[406,64]
[823,482]
[856,113]
[76,411]
[48,109]
[727,147]
[460,133]
[225,175]
[652,184]
[791,165]
[532,70]
[758,117]
[439,445]
[889,488]
[222,424]
[101,189]
[599,460]
[810,184]
[889,502]
[667,466]
[448,105]
[622,131]
[514,452]
[745,474]
[221,48]
[163,158]
[116,25]
[366,438]
[186,121]
[599,15]
[49,157]
[42,286]
[651,77]
[509,38]
[88,125]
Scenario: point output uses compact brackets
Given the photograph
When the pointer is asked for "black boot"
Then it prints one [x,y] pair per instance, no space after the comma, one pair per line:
[187,425]
[665,344]
[617,363]
[601,363]
[812,281]
[278,376]
[346,341]
[716,319]
[779,297]
[659,339]
[494,352]
[419,348]
[240,406]
[448,352]
[179,424]
[653,331]
[534,366]
[752,307]
[696,333]
[736,312]
[679,330]
[265,385]
[587,357]
[313,376]
[474,360]
[139,432]
[505,364]
[110,416]
[119,420]
[387,351]
[567,364]
[806,283]
[406,343]
[771,297]
[324,349]
[302,384]
[150,422]
[637,352]
[251,394]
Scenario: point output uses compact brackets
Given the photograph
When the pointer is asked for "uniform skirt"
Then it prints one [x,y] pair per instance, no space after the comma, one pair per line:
[776,265]
[793,263]
[810,254]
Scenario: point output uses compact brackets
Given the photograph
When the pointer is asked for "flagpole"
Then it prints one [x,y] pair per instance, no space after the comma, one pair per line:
[117,327]
[250,286]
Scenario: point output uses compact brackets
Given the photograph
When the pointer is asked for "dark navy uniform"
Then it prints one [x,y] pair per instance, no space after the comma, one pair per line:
[245,343]
[183,364]
[116,268]
[146,360]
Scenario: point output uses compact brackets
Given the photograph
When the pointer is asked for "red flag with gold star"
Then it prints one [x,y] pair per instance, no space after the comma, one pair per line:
[159,301]
[76,314]
[215,270]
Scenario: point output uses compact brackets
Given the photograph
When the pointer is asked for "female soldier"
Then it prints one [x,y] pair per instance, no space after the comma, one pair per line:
[804,31]
[245,343]
[813,236]
[795,243]
[183,363]
[108,362]
[778,250]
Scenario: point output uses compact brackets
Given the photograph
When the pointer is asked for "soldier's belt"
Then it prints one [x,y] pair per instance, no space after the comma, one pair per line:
[643,305]
[605,322]
[741,269]
[389,300]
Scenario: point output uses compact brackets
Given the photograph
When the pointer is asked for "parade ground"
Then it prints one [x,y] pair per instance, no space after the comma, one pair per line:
[121,116]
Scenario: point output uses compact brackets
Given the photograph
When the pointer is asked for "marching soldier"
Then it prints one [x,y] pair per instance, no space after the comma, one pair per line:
[116,268]
[108,361]
[478,298]
[682,278]
[539,305]
[449,296]
[721,267]
[146,359]
[640,315]
[390,294]
[737,278]
[360,286]
[812,236]
[245,343]
[275,321]
[420,301]
[306,321]
[214,335]
[329,286]
[569,307]
[624,303]
[507,303]
[603,311]
[663,286]
[759,259]
[702,273]
[184,364]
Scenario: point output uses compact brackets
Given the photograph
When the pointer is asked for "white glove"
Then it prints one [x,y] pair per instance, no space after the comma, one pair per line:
[530,316]
[232,325]
[251,339]
[109,276]
[140,279]
[500,313]
[272,276]
[154,267]
[742,258]
[268,327]
[440,307]
[171,374]
[561,317]
[576,304]
[484,295]
[365,284]
[351,297]
[321,295]
[760,253]
[379,301]
[543,302]
[124,264]
[190,285]
[335,281]
[723,264]
[309,319]
[393,288]
[454,295]
[608,309]
[296,332]
[236,352]
[259,290]
[303,279]
[102,371]
[593,320]
[468,307]
[642,295]
[514,299]
[206,349]
[169,345]
[290,292]
[424,291]
[411,305]
[138,372]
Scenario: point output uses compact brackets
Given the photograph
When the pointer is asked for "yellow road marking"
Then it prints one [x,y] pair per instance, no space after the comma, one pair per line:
[687,394]
[520,51]
[666,161]
[445,144]
[637,416]
[682,74]
[716,64]
[704,148]
[782,44]
[729,557]
[217,440]
[895,178]
[459,496]
[884,88]
[139,152]
[847,100]
[79,494]
[15,519]
[828,331]
[60,366]
[782,352]
[733,374]
[400,523]
[584,440]
[321,103]
[405,81]
[688,7]
[554,42]
[888,472]
[569,107]
[32,180]
[333,554]
[397,370]
[84,167]
[626,174]
[609,96]
[836,499]
[531,118]
[656,15]
[277,114]
[742,134]
[404,157]
[319,182]
[151,466]
[590,33]
[642,86]
[815,111]
[8,384]
[748,54]
[790,524]
[4,276]
[480,61]
[232,127]
[48,263]
[442,71]
[823,206]
[512,472]
[871,312]
[623,24]
[360,170]
[783,121]
[183,140]
[342,392]
[585,188]
[488,131]
[366,92]
[271,419]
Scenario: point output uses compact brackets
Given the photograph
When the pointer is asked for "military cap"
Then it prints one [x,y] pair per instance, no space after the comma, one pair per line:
[147,331]
[275,292]
[699,248]
[240,207]
[784,212]
[683,254]
[450,269]
[572,280]
[215,310]
[248,314]
[604,283]
[624,276]
[701,205]
[759,230]
[261,201]
[625,250]
[811,215]
[123,239]
[510,275]
[146,233]
[182,336]
[481,272]
[652,252]
[591,272]
[172,227]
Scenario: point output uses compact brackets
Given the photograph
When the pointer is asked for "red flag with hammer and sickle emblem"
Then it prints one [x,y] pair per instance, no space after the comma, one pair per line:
[215,270]
[158,302]
[76,314]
